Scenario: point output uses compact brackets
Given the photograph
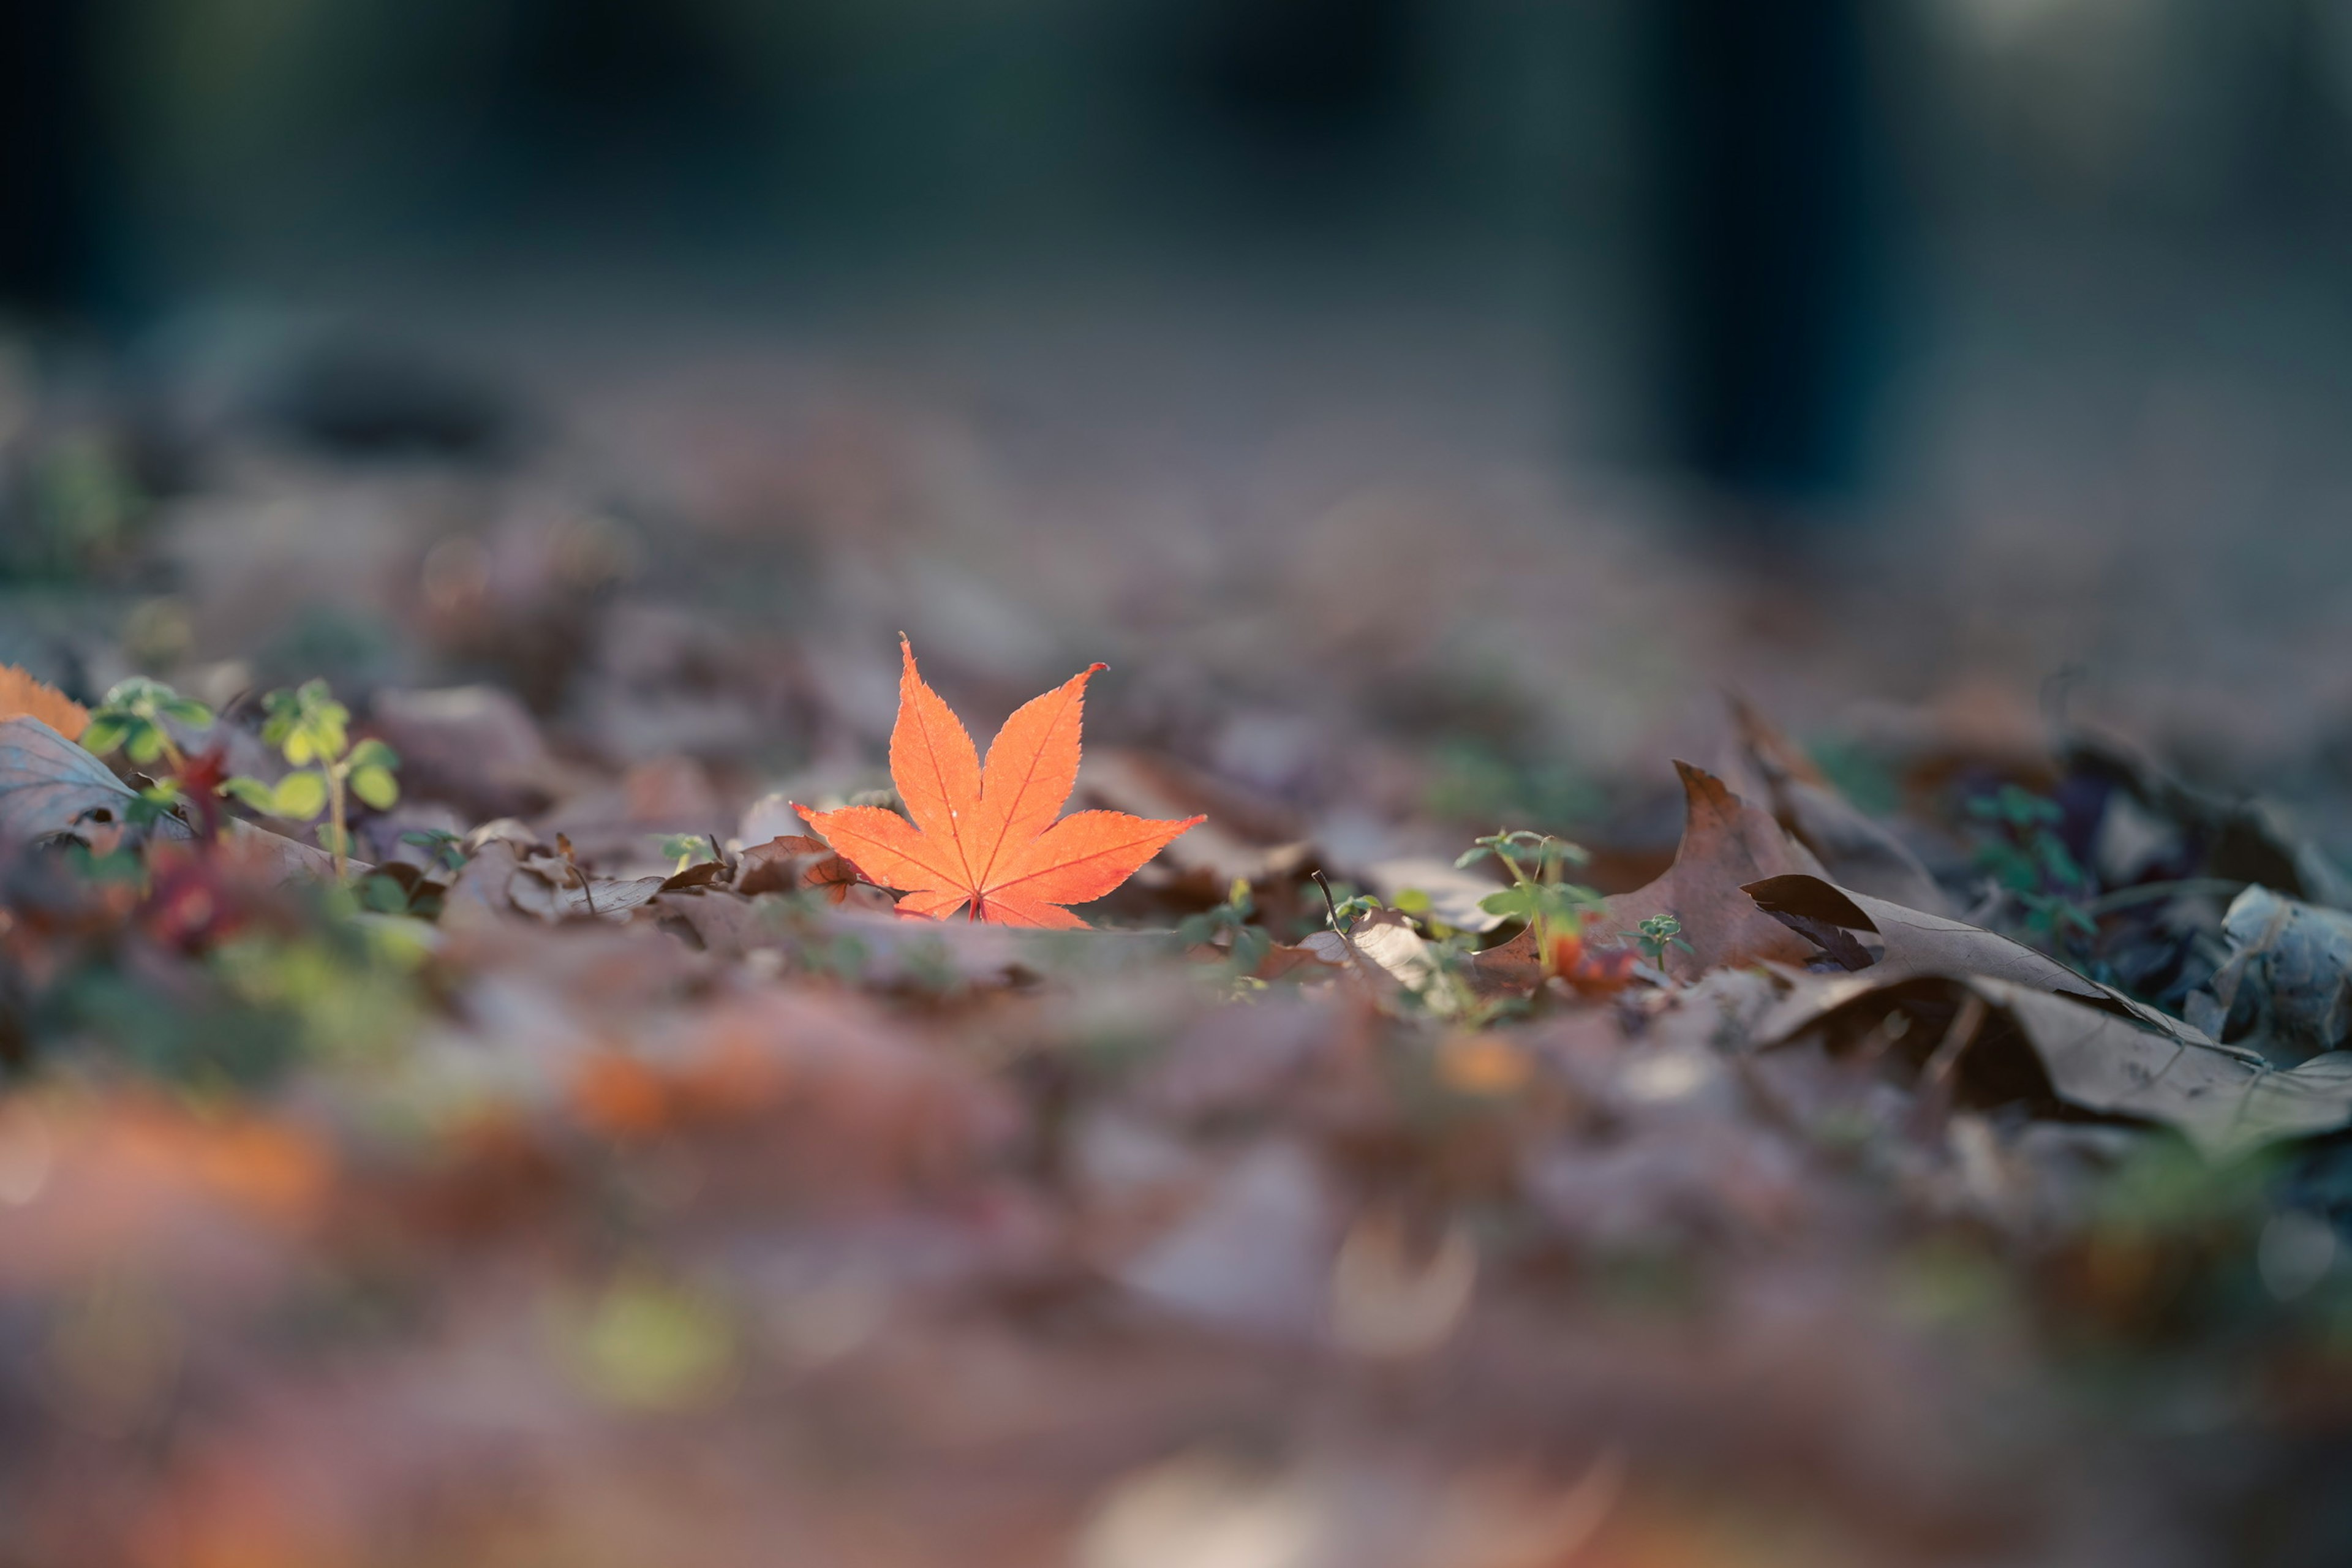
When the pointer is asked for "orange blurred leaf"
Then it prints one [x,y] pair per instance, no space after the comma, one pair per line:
[22,697]
[985,836]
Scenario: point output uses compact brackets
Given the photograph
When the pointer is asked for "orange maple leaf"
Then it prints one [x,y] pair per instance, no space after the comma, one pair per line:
[986,837]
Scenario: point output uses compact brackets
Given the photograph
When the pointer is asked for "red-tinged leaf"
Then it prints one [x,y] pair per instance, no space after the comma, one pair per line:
[985,838]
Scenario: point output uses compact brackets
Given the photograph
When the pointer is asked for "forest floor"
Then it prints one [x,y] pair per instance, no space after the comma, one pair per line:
[1909,1133]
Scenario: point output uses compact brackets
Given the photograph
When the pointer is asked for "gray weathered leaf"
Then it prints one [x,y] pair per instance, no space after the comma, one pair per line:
[2153,1069]
[2287,982]
[543,887]
[49,786]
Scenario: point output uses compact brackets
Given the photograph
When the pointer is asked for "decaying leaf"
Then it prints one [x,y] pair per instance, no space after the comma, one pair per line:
[2143,1066]
[986,837]
[795,863]
[2286,986]
[22,697]
[1383,951]
[1245,836]
[1855,851]
[553,889]
[1726,844]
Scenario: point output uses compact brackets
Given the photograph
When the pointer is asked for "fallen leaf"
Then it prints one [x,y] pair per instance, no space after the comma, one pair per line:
[2144,1066]
[1855,851]
[50,786]
[1900,943]
[794,862]
[1726,844]
[2287,982]
[986,837]
[22,697]
[553,889]
[1383,951]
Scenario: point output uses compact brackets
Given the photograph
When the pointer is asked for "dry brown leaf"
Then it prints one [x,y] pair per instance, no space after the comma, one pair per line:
[1897,943]
[2141,1064]
[794,862]
[1726,845]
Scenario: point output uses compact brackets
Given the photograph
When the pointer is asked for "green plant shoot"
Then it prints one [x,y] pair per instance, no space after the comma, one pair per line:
[1541,897]
[1658,933]
[132,718]
[312,732]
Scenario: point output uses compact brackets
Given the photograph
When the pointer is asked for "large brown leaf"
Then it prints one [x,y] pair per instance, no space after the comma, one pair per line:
[1726,845]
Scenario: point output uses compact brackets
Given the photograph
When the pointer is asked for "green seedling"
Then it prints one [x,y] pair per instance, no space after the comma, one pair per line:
[1542,897]
[682,848]
[132,717]
[312,732]
[133,720]
[1656,934]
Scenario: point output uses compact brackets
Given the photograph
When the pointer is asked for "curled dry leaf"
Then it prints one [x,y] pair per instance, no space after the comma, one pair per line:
[1903,944]
[795,863]
[2140,1065]
[986,837]
[1893,943]
[1382,951]
[2286,986]
[1726,844]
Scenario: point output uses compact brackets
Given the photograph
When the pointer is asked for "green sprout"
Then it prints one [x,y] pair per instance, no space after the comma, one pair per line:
[312,732]
[1656,934]
[682,848]
[133,720]
[1539,896]
[132,717]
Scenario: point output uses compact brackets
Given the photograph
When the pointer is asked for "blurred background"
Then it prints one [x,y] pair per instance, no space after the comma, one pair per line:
[1427,408]
[1870,351]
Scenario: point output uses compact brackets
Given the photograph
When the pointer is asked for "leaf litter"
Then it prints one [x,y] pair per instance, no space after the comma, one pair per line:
[622,1164]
